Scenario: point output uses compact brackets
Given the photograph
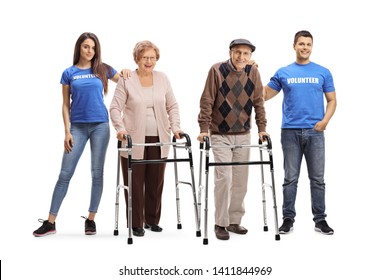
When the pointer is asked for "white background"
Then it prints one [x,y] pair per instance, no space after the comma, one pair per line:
[37,41]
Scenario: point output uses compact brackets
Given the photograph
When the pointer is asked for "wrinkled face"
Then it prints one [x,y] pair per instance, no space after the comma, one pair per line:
[303,48]
[148,60]
[240,56]
[87,49]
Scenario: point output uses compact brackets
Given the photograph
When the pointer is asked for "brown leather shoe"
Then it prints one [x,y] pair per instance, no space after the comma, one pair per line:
[236,228]
[221,233]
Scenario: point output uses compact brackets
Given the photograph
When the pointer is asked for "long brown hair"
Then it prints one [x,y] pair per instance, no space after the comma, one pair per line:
[100,69]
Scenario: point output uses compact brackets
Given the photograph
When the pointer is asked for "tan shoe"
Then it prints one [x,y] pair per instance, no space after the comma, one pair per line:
[236,228]
[221,233]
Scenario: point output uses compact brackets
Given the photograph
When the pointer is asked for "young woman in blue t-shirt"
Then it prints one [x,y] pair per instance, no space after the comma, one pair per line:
[85,117]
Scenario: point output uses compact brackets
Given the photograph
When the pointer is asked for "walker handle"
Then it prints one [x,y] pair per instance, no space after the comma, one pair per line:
[206,140]
[268,139]
[188,139]
[129,142]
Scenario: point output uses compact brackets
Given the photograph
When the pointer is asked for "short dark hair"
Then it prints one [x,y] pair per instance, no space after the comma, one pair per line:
[302,33]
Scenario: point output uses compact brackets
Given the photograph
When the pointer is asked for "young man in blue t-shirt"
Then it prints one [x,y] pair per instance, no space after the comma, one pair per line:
[304,85]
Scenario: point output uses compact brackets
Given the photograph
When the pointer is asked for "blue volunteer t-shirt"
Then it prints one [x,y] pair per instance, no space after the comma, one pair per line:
[303,86]
[86,92]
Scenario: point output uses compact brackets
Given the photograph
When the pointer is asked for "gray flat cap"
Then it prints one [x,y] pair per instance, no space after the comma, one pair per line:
[242,42]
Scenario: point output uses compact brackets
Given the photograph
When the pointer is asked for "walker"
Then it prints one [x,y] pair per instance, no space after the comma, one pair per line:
[176,145]
[205,148]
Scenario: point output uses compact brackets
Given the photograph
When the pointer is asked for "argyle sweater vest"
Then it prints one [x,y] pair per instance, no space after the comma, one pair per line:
[228,98]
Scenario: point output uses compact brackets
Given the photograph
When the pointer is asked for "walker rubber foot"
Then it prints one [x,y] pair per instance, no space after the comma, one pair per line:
[129,240]
[205,241]
[116,232]
[198,234]
[178,226]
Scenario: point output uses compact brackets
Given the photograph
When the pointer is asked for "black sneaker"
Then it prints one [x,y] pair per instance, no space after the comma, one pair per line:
[287,226]
[323,227]
[90,226]
[45,229]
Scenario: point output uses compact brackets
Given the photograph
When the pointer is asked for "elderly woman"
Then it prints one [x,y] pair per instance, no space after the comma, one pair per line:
[145,108]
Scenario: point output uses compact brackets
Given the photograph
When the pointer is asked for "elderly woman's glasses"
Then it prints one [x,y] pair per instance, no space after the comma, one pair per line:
[151,58]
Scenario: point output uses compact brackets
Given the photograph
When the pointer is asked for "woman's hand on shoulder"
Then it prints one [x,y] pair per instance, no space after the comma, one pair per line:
[125,73]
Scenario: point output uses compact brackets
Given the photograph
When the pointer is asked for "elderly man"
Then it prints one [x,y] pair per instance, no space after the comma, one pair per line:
[233,87]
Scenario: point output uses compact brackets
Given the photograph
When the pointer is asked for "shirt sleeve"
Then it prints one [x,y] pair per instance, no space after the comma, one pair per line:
[328,83]
[207,101]
[65,77]
[275,83]
[117,105]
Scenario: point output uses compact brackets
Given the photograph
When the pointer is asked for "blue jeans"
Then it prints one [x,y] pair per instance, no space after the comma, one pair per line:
[297,143]
[99,136]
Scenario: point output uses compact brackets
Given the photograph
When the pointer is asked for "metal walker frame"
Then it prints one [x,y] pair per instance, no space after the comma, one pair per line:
[176,145]
[205,148]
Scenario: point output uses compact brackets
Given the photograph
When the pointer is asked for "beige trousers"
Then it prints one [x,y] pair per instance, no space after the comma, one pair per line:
[230,181]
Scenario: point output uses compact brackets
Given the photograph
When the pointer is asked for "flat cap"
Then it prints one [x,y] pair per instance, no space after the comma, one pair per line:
[242,42]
